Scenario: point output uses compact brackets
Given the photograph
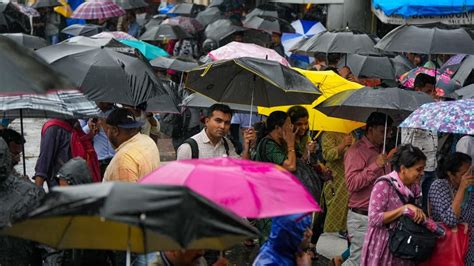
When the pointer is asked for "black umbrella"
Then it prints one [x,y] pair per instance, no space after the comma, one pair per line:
[96,42]
[428,39]
[104,74]
[175,63]
[12,19]
[23,72]
[131,4]
[26,40]
[82,30]
[251,81]
[166,103]
[226,5]
[268,24]
[401,65]
[463,71]
[261,12]
[132,217]
[45,3]
[155,21]
[345,41]
[165,32]
[210,15]
[466,92]
[357,105]
[186,9]
[368,66]
[197,100]
[220,29]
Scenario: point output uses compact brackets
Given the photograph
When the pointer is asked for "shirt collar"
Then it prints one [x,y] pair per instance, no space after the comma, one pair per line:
[132,139]
[369,144]
[205,138]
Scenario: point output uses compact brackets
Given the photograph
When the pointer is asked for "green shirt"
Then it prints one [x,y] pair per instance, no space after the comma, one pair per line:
[271,152]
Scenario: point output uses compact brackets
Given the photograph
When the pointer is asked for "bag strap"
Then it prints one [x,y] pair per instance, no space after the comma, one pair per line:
[194,148]
[402,198]
[226,146]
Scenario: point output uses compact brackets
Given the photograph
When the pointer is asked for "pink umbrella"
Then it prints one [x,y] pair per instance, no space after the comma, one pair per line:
[119,35]
[249,189]
[97,9]
[238,49]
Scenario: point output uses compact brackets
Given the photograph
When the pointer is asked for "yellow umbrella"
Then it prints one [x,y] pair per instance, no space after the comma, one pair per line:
[64,10]
[329,83]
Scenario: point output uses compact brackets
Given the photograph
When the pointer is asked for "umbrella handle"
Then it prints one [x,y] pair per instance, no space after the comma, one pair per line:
[385,134]
[251,101]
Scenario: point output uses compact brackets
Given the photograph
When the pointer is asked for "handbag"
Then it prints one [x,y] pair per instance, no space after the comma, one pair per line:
[452,248]
[409,240]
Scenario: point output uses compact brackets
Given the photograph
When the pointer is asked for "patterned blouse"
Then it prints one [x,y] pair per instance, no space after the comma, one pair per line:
[441,197]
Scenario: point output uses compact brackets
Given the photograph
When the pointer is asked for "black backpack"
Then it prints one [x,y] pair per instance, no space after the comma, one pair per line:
[195,148]
[409,240]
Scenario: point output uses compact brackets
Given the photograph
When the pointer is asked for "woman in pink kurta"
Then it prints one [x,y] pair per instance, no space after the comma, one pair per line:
[385,206]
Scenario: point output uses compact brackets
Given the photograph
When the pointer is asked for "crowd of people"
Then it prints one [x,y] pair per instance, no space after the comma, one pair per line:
[363,189]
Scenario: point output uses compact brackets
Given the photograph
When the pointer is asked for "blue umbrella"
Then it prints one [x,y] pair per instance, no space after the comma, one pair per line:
[304,29]
[410,8]
[148,50]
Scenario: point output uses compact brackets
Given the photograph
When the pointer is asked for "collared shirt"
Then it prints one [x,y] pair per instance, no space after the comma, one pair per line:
[361,171]
[134,159]
[206,148]
[102,145]
[426,141]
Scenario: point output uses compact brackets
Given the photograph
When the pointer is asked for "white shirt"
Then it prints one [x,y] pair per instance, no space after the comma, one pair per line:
[466,146]
[206,148]
[426,141]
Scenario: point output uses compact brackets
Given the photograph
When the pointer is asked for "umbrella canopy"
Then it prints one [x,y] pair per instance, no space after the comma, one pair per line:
[148,50]
[368,66]
[428,39]
[210,15]
[423,8]
[131,4]
[304,29]
[247,188]
[251,81]
[100,71]
[12,19]
[186,9]
[124,216]
[96,42]
[97,9]
[27,10]
[26,40]
[268,24]
[329,83]
[82,29]
[238,49]
[460,71]
[466,92]
[189,24]
[358,104]
[450,116]
[23,72]
[155,21]
[64,9]
[165,32]
[401,65]
[261,12]
[45,3]
[174,63]
[220,29]
[445,86]
[59,104]
[345,41]
[197,100]
[164,103]
[119,35]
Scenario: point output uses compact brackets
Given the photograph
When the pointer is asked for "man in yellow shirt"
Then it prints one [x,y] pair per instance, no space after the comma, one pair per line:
[136,154]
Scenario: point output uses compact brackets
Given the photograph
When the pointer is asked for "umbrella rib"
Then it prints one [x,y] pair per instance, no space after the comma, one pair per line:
[64,232]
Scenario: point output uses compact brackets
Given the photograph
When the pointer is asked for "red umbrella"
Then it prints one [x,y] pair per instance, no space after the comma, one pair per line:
[96,9]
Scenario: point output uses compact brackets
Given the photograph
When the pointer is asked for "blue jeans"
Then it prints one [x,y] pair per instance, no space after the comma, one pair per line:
[426,182]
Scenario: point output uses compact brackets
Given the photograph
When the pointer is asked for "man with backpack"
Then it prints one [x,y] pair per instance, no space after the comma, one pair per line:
[212,142]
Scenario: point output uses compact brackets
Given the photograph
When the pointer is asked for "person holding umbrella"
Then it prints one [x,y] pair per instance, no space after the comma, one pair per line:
[364,162]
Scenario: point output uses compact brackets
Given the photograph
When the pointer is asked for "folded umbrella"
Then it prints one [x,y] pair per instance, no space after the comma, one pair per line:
[196,100]
[358,104]
[251,81]
[97,9]
[82,30]
[210,15]
[23,72]
[45,3]
[132,217]
[150,51]
[104,74]
[220,29]
[165,32]
[428,39]
[249,189]
[131,4]
[455,117]
[26,40]
[368,66]
[174,63]
[268,24]
[238,49]
[189,24]
[329,83]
